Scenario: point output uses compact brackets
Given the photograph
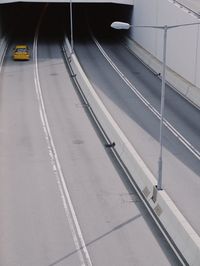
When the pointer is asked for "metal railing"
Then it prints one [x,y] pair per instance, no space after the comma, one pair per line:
[191,6]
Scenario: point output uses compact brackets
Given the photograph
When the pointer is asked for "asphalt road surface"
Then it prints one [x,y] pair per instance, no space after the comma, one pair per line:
[181,168]
[49,146]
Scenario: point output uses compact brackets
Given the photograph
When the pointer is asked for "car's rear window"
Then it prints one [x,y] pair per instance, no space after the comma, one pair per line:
[21,50]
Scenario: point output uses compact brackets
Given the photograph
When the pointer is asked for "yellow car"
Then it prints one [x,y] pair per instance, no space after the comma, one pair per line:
[21,52]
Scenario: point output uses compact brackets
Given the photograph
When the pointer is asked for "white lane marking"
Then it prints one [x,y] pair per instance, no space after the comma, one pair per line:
[177,134]
[68,206]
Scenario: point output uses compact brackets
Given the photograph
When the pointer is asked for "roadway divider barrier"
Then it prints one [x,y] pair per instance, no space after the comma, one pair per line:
[177,82]
[3,48]
[181,236]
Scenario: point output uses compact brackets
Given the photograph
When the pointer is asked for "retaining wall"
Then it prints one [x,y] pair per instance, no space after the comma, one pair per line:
[183,44]
[184,87]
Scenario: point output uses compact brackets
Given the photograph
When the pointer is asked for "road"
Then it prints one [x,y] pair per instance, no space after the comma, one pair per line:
[181,167]
[63,198]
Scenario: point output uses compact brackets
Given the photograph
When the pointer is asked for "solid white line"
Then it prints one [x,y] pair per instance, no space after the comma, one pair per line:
[68,206]
[177,134]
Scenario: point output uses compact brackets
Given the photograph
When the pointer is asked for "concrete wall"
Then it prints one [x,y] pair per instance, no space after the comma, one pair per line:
[1,29]
[183,45]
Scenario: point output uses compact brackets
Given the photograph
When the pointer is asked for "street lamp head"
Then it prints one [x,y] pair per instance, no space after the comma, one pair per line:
[118,25]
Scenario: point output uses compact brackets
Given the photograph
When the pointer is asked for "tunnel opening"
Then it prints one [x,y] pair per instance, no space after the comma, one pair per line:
[100,16]
[19,20]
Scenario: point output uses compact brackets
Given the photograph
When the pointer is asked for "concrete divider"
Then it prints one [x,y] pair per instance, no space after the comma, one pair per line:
[184,87]
[3,48]
[186,242]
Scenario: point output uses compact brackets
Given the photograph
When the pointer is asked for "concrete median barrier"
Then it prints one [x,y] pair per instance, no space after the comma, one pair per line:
[3,48]
[3,45]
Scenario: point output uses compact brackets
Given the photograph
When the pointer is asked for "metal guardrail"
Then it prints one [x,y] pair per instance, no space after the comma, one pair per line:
[191,6]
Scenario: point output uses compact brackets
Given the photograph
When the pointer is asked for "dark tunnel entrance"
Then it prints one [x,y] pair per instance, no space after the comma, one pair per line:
[20,20]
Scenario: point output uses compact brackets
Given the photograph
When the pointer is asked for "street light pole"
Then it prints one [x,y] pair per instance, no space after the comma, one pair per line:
[125,26]
[71,27]
[162,107]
